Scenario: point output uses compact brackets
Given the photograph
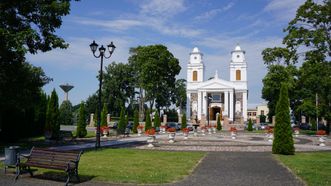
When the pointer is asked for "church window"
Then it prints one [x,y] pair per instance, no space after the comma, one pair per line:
[238,75]
[195,75]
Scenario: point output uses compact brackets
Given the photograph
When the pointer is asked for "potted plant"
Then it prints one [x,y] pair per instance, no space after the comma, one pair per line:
[150,133]
[163,129]
[296,131]
[104,130]
[233,131]
[185,132]
[203,130]
[209,129]
[172,132]
[270,133]
[140,129]
[322,138]
[214,129]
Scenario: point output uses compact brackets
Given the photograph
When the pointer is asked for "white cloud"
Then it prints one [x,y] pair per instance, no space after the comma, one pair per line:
[162,8]
[212,13]
[120,24]
[284,9]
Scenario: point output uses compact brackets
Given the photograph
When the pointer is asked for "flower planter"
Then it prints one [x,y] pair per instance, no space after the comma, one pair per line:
[296,133]
[203,131]
[185,135]
[214,130]
[322,141]
[233,135]
[139,131]
[163,130]
[105,133]
[270,137]
[150,140]
[171,136]
[209,131]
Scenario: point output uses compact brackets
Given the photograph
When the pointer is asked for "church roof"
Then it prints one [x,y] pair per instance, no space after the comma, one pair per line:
[195,50]
[237,48]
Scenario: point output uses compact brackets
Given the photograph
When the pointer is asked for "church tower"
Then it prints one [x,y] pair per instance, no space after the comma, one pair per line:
[195,67]
[238,66]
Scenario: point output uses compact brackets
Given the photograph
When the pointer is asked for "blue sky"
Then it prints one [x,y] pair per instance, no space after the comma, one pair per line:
[215,27]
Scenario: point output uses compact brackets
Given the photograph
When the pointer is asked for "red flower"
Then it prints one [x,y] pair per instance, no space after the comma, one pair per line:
[150,132]
[233,129]
[104,129]
[186,130]
[140,127]
[172,129]
[321,132]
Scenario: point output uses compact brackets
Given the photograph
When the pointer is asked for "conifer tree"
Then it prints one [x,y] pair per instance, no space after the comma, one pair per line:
[52,126]
[135,121]
[184,123]
[121,124]
[219,125]
[66,115]
[250,125]
[81,124]
[283,140]
[157,121]
[104,115]
[148,123]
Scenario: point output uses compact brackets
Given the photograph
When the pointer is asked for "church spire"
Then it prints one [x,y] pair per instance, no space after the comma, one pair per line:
[216,74]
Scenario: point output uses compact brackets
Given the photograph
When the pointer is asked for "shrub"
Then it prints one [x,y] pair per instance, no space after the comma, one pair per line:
[263,118]
[121,124]
[283,140]
[148,123]
[66,116]
[184,123]
[52,125]
[81,125]
[157,121]
[219,125]
[104,115]
[135,121]
[250,125]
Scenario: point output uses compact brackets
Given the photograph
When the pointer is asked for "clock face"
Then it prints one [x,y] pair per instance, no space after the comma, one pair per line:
[195,57]
[238,56]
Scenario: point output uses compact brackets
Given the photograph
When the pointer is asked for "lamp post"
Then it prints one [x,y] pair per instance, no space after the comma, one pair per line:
[94,46]
[208,102]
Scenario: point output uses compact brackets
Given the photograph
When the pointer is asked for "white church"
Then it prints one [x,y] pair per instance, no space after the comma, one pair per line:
[217,95]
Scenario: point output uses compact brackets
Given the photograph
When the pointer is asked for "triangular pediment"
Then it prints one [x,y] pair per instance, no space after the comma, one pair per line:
[216,84]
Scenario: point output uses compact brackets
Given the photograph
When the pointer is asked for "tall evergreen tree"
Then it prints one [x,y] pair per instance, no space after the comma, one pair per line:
[148,123]
[250,125]
[283,140]
[157,121]
[52,126]
[184,123]
[135,121]
[219,125]
[66,115]
[81,125]
[121,124]
[104,115]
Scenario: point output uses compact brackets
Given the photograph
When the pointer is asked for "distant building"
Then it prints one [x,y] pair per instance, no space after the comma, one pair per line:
[216,95]
[254,113]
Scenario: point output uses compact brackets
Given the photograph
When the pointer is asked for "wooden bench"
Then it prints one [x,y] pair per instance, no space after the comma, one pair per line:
[51,159]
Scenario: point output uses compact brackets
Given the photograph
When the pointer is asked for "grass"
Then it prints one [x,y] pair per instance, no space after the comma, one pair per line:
[314,168]
[132,166]
[90,134]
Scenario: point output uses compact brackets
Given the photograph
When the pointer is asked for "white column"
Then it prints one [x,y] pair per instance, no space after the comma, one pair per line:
[188,106]
[226,103]
[204,103]
[199,105]
[245,106]
[231,106]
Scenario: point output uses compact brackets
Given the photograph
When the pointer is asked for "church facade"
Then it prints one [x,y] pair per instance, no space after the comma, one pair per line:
[217,96]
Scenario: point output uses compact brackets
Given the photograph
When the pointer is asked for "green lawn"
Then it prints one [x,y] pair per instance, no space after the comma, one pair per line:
[132,166]
[314,168]
[90,134]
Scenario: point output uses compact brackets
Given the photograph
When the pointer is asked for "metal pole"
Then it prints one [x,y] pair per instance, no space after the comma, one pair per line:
[97,145]
[316,112]
[208,110]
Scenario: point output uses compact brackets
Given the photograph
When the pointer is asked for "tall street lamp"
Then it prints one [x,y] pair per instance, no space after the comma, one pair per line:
[94,46]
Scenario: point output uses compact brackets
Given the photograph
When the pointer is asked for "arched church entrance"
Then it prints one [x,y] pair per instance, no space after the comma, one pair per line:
[214,111]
